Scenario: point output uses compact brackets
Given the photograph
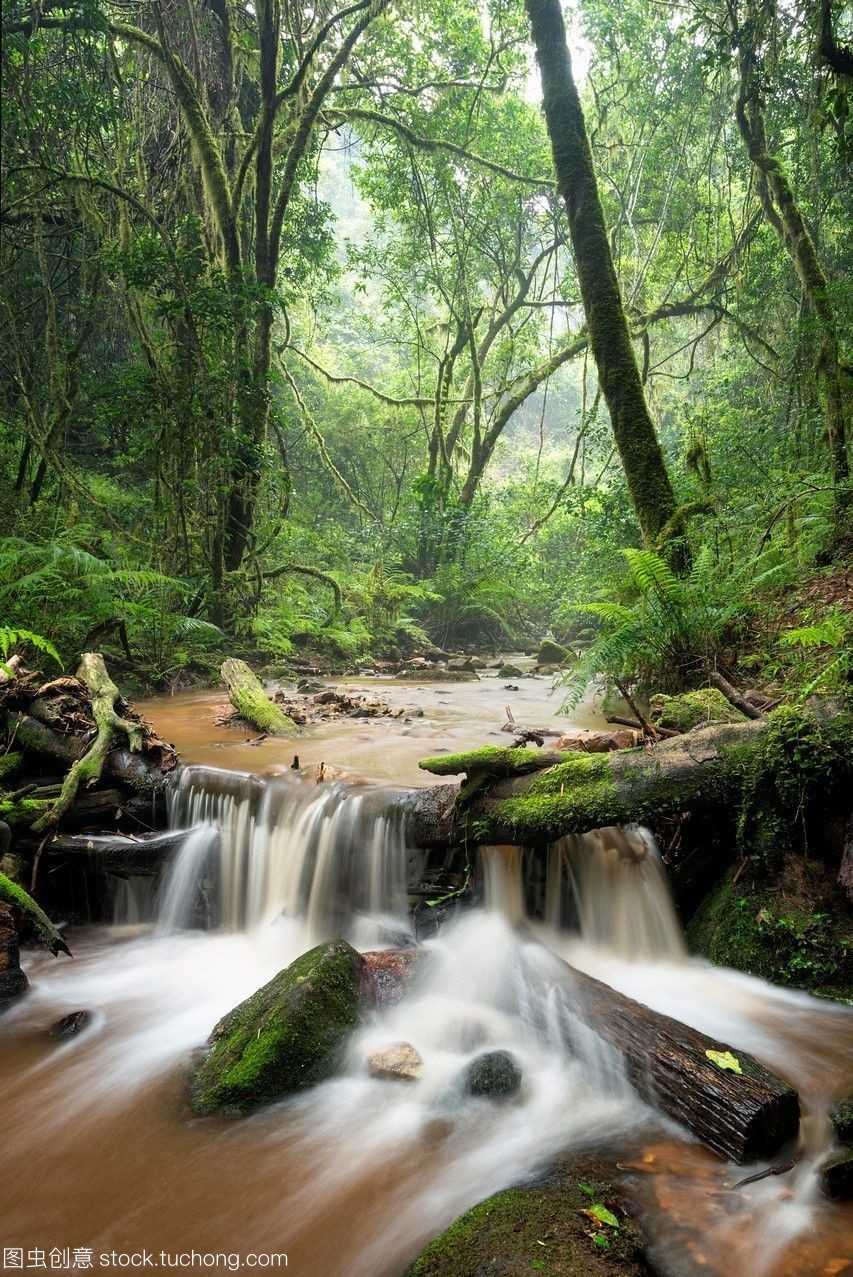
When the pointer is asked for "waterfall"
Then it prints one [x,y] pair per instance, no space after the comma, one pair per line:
[608,886]
[332,856]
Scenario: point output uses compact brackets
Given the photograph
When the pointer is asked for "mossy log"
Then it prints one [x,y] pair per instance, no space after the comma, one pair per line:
[511,798]
[725,1098]
[247,695]
[143,773]
[14,896]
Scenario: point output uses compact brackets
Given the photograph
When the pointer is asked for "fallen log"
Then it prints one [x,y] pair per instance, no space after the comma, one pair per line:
[711,770]
[143,773]
[732,695]
[119,854]
[724,1097]
[247,695]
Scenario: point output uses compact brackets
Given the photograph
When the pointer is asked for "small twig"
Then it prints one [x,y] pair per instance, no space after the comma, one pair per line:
[644,722]
[771,1170]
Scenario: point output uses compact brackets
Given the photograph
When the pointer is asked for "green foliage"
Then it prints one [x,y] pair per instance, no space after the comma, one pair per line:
[10,639]
[668,636]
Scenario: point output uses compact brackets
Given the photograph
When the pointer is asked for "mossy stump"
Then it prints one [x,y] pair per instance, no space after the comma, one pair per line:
[288,1036]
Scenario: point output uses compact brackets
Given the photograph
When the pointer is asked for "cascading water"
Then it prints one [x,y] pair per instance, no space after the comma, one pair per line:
[353,1177]
[331,858]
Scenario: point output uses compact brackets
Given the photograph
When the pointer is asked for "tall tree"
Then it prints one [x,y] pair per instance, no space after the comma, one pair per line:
[610,340]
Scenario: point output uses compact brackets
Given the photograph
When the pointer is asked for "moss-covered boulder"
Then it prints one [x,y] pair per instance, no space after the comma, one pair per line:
[510,671]
[553,653]
[494,1074]
[836,1176]
[693,709]
[570,1224]
[287,1037]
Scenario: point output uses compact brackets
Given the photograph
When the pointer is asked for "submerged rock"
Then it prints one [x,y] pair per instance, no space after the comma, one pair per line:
[400,1061]
[70,1025]
[386,974]
[288,1036]
[494,1073]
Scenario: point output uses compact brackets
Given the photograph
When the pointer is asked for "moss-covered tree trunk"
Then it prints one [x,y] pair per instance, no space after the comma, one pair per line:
[782,211]
[618,373]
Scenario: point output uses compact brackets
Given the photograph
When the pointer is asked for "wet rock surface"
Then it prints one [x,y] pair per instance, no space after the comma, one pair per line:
[70,1026]
[494,1074]
[398,1062]
[288,1036]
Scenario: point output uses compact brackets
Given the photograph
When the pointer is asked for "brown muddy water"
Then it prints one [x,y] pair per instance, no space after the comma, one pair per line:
[101,1154]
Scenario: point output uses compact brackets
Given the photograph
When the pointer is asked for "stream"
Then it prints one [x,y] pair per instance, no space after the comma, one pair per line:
[353,1178]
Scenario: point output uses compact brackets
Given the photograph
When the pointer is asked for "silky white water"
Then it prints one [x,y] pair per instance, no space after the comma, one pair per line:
[355,1176]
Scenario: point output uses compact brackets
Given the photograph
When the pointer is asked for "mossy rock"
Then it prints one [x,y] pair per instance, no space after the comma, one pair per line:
[439,676]
[494,1074]
[287,1037]
[836,1176]
[510,671]
[841,1117]
[552,653]
[799,938]
[9,764]
[540,1228]
[693,709]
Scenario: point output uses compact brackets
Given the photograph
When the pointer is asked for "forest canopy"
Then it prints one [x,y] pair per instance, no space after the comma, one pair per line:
[307,343]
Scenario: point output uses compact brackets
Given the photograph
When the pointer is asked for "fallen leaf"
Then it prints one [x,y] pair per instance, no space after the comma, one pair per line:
[602,1214]
[725,1060]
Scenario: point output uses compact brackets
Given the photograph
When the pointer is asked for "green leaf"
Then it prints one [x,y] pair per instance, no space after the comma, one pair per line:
[603,1215]
[586,1188]
[602,1241]
[725,1060]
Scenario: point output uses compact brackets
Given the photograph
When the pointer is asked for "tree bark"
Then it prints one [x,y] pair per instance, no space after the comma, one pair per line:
[745,1116]
[619,376]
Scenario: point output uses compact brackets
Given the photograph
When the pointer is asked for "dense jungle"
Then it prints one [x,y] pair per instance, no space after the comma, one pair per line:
[426,637]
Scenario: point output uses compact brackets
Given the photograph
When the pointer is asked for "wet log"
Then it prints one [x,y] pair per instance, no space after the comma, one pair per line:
[119,854]
[143,773]
[247,695]
[510,797]
[746,1115]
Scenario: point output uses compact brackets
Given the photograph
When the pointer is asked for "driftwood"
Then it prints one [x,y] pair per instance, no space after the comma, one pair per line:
[746,1116]
[143,773]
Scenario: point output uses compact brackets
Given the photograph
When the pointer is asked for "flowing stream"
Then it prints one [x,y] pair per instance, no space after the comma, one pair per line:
[354,1177]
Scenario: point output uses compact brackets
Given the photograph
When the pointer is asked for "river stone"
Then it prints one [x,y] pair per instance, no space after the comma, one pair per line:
[13,982]
[836,1176]
[494,1073]
[510,671]
[70,1025]
[552,653]
[841,1117]
[400,1061]
[288,1036]
[433,675]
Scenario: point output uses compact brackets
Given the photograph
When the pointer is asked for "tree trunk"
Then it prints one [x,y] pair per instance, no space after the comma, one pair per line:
[745,1116]
[783,213]
[618,373]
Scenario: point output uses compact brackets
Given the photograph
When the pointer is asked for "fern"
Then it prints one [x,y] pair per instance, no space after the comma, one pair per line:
[10,639]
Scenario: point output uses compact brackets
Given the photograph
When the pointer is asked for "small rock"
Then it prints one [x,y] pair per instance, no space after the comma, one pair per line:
[841,1117]
[836,1176]
[510,687]
[70,1026]
[590,742]
[400,1061]
[495,1074]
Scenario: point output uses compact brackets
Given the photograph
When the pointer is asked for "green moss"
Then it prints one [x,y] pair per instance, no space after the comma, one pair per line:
[786,937]
[13,894]
[841,1117]
[551,653]
[286,1037]
[492,760]
[9,764]
[693,709]
[23,812]
[510,671]
[537,1229]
